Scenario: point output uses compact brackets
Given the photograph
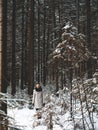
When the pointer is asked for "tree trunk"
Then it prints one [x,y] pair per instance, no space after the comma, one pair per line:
[59,14]
[13,82]
[88,33]
[0,52]
[23,48]
[4,52]
[48,42]
[38,41]
[54,17]
[62,80]
[25,42]
[44,48]
[78,15]
[71,99]
[0,41]
[31,48]
[3,55]
[57,85]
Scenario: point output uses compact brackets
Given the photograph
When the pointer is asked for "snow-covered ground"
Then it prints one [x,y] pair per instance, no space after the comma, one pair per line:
[24,119]
[59,107]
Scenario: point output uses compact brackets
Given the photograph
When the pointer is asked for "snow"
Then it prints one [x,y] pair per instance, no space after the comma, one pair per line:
[67,26]
[95,74]
[58,50]
[95,89]
[26,119]
[22,117]
[41,128]
[71,47]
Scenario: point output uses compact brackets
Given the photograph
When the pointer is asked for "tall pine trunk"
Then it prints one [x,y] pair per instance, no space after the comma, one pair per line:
[44,46]
[38,42]
[31,47]
[13,79]
[0,52]
[88,33]
[4,52]
[0,40]
[3,56]
[23,48]
[78,17]
[25,44]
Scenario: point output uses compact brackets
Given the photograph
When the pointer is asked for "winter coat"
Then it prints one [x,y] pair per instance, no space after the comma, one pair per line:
[37,98]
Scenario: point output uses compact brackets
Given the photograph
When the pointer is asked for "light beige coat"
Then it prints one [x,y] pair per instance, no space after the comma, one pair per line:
[37,99]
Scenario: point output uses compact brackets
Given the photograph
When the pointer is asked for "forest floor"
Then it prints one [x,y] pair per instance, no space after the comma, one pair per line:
[24,120]
[55,115]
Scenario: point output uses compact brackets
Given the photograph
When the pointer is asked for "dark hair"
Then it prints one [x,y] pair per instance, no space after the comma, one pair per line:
[38,89]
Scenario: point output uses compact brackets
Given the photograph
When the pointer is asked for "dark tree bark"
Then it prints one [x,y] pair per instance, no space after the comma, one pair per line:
[61,80]
[54,17]
[44,47]
[3,57]
[88,33]
[25,44]
[59,14]
[71,99]
[13,82]
[23,49]
[0,42]
[48,32]
[38,80]
[88,23]
[78,15]
[57,78]
[31,48]
[4,53]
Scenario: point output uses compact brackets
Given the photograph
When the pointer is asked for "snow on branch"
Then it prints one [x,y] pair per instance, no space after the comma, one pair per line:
[72,50]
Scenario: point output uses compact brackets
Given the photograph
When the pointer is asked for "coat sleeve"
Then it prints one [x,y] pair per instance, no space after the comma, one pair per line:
[42,96]
[33,99]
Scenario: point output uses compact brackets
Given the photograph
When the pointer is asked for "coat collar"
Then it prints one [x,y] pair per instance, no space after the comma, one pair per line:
[38,89]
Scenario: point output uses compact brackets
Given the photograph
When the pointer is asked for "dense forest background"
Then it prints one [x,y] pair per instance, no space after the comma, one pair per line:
[32,30]
[31,33]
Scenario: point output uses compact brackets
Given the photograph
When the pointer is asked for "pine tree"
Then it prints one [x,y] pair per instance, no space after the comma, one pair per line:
[3,56]
[13,75]
[88,33]
[4,52]
[23,49]
[31,48]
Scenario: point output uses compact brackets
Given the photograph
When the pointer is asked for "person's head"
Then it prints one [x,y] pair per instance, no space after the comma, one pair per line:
[37,85]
